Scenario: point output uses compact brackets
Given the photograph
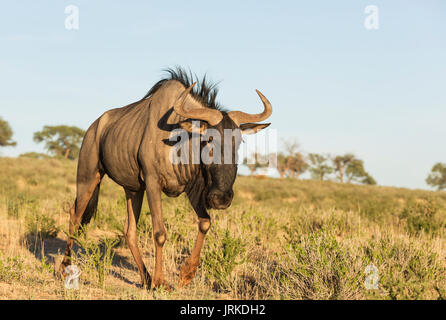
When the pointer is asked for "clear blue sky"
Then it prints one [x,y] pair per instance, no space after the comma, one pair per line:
[335,86]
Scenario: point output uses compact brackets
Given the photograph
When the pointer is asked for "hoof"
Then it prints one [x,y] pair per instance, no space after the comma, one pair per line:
[162,284]
[60,273]
[147,284]
[187,273]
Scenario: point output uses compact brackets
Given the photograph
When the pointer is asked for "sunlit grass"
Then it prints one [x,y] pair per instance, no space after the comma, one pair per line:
[280,239]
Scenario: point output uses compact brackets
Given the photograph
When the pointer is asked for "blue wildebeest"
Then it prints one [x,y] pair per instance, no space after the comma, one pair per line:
[133,146]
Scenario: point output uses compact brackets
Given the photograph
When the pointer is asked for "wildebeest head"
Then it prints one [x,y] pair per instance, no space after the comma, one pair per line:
[220,137]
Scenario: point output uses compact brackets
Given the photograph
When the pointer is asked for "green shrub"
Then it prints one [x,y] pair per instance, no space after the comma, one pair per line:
[407,270]
[318,266]
[46,266]
[221,257]
[11,268]
[95,258]
[422,215]
[41,225]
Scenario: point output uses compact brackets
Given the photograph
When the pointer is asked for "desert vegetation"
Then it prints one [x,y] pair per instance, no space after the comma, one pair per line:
[6,134]
[281,239]
[293,162]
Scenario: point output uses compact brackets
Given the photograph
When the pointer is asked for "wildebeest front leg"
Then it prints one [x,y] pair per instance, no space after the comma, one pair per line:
[159,231]
[188,269]
[134,202]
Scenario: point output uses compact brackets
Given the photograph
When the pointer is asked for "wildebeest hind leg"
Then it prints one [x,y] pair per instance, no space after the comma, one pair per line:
[134,202]
[85,191]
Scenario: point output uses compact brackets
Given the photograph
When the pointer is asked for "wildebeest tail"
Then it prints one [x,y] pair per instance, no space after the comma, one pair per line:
[92,206]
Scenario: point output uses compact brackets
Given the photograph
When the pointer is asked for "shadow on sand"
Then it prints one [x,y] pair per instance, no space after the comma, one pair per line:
[51,248]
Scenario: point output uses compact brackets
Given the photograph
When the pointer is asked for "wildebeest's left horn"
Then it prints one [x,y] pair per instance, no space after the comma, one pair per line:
[213,117]
[240,117]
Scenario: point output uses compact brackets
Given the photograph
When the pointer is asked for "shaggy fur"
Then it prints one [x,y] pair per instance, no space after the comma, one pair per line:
[205,91]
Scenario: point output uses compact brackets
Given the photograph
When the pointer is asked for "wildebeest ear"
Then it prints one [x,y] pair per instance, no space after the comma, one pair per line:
[191,126]
[251,128]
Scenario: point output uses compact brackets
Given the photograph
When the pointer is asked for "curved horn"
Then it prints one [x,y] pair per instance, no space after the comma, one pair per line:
[213,117]
[240,117]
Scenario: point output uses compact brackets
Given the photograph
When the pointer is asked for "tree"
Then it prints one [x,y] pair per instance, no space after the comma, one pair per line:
[254,162]
[368,179]
[340,164]
[296,164]
[6,134]
[319,167]
[355,172]
[437,177]
[282,164]
[291,163]
[61,141]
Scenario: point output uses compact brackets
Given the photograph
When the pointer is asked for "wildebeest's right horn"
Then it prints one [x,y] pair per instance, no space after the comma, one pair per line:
[240,117]
[213,117]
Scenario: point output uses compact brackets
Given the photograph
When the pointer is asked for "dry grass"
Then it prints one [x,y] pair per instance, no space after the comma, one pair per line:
[281,239]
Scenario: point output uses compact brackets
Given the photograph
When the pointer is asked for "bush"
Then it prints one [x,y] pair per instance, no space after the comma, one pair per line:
[11,268]
[318,266]
[422,215]
[221,257]
[96,258]
[41,225]
[407,270]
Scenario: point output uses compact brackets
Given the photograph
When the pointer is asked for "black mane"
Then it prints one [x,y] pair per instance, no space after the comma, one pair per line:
[204,91]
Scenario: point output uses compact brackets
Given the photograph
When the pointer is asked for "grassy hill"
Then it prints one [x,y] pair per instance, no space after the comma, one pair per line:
[281,239]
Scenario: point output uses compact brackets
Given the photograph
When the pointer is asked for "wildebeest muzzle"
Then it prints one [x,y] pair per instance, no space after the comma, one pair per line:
[217,199]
